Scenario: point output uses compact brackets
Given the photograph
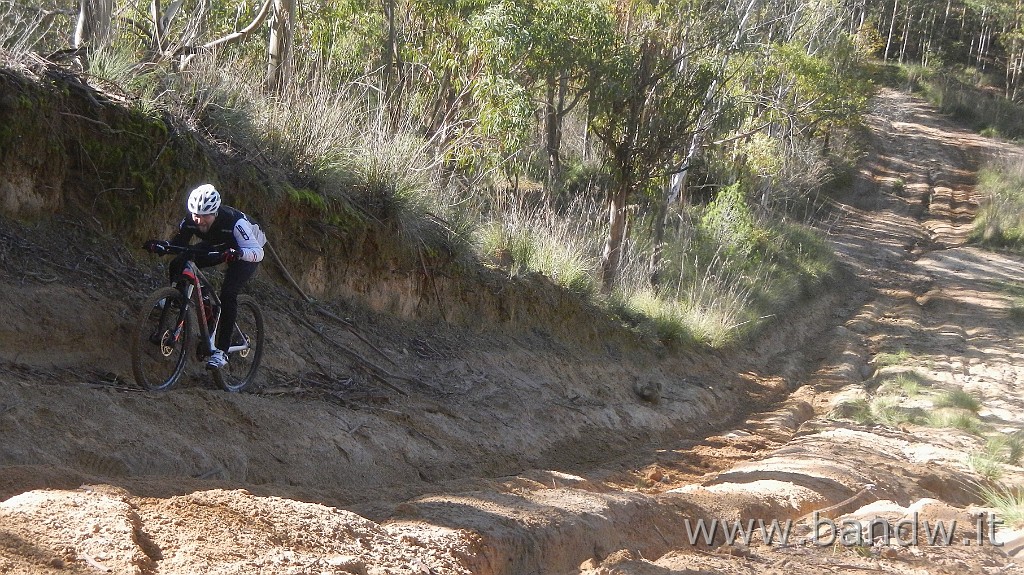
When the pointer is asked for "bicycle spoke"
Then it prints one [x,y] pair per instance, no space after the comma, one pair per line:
[240,372]
[160,346]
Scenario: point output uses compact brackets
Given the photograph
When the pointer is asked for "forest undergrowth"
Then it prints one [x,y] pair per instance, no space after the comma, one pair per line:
[685,190]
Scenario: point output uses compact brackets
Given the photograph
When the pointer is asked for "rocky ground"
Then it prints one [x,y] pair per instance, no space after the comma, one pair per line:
[402,447]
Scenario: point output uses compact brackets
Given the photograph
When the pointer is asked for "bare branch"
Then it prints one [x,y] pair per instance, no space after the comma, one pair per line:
[261,17]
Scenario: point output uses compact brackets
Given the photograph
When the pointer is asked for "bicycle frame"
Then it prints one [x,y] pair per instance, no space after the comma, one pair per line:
[193,292]
[196,279]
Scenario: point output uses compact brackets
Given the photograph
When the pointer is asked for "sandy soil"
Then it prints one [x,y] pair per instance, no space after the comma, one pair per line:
[405,447]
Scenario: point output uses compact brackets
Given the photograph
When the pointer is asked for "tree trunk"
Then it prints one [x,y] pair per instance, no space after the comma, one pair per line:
[612,254]
[94,23]
[892,27]
[553,132]
[906,35]
[390,54]
[394,79]
[658,232]
[279,46]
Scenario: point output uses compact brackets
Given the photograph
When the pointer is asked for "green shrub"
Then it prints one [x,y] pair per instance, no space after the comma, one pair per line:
[729,222]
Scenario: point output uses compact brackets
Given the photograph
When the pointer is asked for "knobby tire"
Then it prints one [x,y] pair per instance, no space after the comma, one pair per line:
[240,372]
[158,359]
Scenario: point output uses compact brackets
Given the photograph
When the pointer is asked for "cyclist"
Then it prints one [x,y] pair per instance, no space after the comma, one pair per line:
[223,229]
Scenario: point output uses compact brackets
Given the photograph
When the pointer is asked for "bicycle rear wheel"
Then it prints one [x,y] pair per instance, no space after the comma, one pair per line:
[162,340]
[240,372]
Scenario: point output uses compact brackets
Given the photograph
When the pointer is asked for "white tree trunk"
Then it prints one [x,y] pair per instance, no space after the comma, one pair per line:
[94,23]
[892,27]
[279,46]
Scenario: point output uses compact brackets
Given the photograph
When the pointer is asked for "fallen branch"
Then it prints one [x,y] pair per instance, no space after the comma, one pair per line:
[319,308]
[379,372]
[352,328]
[284,270]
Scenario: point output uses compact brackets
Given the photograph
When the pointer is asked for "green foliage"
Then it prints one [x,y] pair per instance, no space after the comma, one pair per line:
[831,89]
[869,41]
[999,221]
[729,222]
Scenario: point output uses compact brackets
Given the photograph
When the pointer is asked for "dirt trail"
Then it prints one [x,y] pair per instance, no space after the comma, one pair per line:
[464,473]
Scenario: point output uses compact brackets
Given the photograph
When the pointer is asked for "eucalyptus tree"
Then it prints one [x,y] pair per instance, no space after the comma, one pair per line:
[279,46]
[434,48]
[94,24]
[547,55]
[649,100]
[713,35]
[1012,40]
[177,31]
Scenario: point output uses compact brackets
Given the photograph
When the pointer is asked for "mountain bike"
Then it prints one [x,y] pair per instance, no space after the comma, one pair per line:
[171,318]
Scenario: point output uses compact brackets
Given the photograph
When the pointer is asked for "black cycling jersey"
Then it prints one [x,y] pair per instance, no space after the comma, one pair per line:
[230,229]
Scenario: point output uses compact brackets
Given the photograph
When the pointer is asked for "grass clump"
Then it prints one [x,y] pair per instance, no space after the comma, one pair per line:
[1008,502]
[878,410]
[959,399]
[955,419]
[524,248]
[888,411]
[999,222]
[905,384]
[888,359]
[985,465]
[1007,448]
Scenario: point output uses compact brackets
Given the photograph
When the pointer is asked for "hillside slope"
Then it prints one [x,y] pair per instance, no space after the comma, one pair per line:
[516,444]
[444,377]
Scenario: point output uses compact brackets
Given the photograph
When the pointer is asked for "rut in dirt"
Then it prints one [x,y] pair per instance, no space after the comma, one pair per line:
[912,203]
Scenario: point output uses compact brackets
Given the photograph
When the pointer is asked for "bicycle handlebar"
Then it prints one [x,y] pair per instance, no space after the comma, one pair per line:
[189,251]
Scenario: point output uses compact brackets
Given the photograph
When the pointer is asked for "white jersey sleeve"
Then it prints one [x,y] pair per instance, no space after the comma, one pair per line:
[250,240]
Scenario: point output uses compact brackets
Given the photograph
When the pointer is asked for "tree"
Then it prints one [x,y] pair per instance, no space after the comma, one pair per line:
[546,53]
[279,45]
[94,24]
[645,104]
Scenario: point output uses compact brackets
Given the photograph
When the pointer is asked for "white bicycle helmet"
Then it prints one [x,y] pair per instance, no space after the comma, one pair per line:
[204,200]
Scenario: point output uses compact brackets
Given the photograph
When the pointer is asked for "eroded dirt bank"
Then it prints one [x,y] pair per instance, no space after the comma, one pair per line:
[519,452]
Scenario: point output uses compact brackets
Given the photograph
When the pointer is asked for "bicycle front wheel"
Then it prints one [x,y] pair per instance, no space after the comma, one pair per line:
[240,372]
[162,340]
